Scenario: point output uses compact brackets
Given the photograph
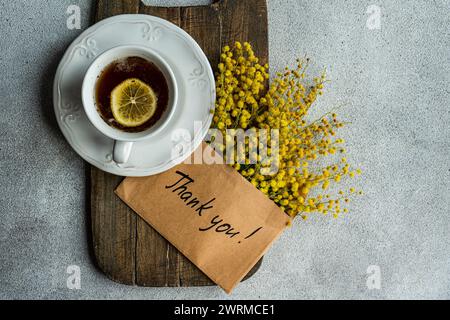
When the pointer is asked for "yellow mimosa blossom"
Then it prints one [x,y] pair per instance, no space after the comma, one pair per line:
[245,100]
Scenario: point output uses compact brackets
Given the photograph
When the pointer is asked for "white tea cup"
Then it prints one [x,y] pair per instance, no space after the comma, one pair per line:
[123,141]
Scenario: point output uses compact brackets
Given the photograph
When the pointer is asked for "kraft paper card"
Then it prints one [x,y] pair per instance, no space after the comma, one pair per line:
[211,214]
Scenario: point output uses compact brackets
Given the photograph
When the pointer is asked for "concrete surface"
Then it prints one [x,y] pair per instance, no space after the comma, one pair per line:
[394,82]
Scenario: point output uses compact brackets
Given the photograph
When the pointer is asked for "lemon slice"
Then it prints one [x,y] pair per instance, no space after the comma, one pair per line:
[133,103]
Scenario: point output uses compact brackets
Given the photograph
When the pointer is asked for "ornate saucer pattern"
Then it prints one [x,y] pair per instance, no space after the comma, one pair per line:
[195,80]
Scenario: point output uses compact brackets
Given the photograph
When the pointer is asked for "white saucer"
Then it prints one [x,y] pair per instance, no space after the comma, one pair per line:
[195,82]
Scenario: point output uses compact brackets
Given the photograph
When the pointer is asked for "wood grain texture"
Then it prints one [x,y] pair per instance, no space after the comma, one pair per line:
[126,248]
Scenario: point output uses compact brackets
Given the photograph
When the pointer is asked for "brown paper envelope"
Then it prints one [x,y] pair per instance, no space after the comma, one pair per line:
[219,220]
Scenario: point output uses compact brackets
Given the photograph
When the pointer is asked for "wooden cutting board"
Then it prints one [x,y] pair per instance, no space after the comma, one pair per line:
[126,248]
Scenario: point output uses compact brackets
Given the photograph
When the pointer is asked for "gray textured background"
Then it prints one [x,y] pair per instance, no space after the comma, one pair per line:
[394,83]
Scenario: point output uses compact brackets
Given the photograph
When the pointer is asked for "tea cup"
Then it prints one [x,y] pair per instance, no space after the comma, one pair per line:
[123,141]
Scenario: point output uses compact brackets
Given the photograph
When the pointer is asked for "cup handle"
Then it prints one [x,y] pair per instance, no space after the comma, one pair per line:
[122,151]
